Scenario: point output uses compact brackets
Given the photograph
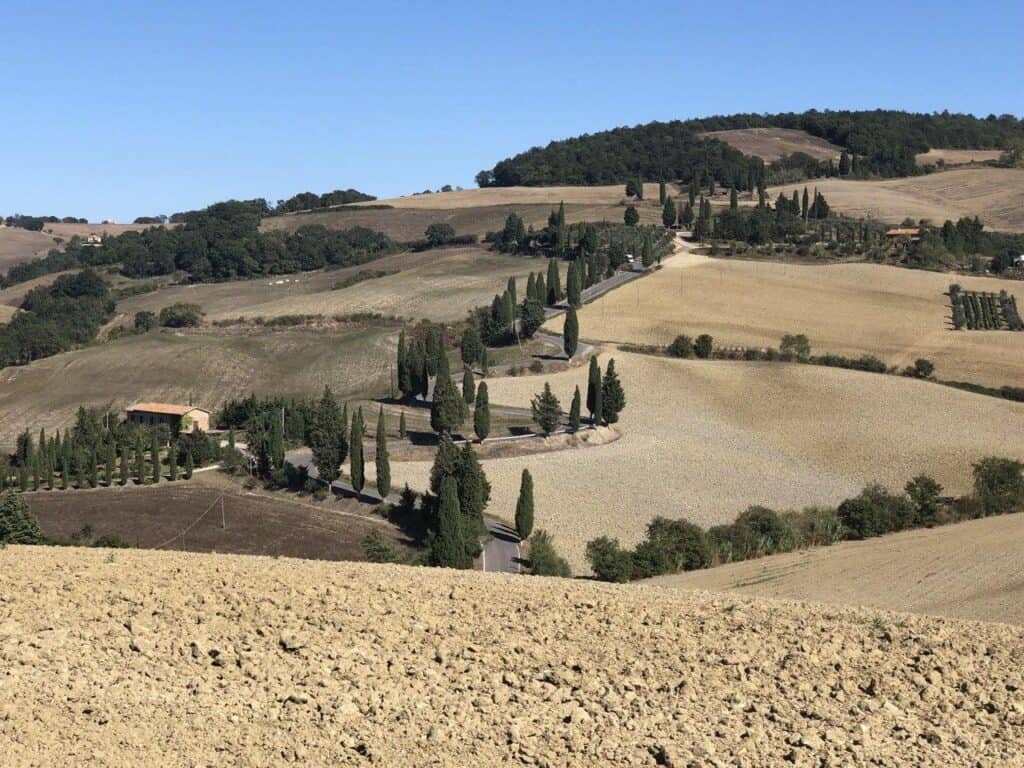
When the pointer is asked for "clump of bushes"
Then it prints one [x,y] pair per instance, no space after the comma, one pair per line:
[181,315]
[672,546]
[544,559]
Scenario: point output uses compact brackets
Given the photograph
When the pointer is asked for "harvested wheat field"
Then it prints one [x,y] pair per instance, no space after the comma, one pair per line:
[67,231]
[18,245]
[996,195]
[771,144]
[607,194]
[969,570]
[853,309]
[207,366]
[6,313]
[441,285]
[125,658]
[957,156]
[705,439]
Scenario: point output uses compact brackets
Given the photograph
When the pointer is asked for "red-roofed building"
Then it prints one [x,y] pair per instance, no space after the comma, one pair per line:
[179,418]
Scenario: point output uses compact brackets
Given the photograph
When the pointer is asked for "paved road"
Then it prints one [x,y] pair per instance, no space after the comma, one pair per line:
[503,553]
[303,457]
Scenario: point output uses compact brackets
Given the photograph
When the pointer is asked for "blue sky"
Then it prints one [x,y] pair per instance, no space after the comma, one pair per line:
[115,110]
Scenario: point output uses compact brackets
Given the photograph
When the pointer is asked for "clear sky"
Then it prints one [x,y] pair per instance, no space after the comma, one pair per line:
[117,109]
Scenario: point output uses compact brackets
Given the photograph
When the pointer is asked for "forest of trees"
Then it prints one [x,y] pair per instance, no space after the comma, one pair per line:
[55,318]
[884,142]
[306,201]
[35,223]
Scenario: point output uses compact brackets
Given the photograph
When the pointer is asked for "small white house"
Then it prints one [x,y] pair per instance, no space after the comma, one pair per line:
[1018,261]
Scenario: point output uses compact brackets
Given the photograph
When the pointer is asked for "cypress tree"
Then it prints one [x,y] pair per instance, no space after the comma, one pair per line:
[190,465]
[631,216]
[554,283]
[402,431]
[570,333]
[140,463]
[647,257]
[573,289]
[512,290]
[733,199]
[17,525]
[668,212]
[276,442]
[524,506]
[381,457]
[172,462]
[541,290]
[36,472]
[23,482]
[547,411]
[124,465]
[639,188]
[356,468]
[65,466]
[433,350]
[560,219]
[231,438]
[448,409]
[446,463]
[805,208]
[80,470]
[468,386]
[109,463]
[474,493]
[662,192]
[531,287]
[482,413]
[574,411]
[508,312]
[594,391]
[692,192]
[448,547]
[613,398]
[154,457]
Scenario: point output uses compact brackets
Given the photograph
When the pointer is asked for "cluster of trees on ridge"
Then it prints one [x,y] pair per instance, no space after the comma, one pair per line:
[881,142]
[36,223]
[679,545]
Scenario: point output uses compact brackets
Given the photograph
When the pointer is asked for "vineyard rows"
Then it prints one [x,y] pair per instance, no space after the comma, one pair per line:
[984,311]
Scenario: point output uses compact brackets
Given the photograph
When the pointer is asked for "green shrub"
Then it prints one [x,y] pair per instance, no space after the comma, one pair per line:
[814,527]
[609,561]
[145,321]
[544,559]
[999,485]
[703,346]
[181,315]
[874,512]
[378,549]
[17,524]
[767,531]
[671,546]
[681,346]
[925,493]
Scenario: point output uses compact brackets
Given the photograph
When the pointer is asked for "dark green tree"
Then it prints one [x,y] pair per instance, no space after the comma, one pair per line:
[703,346]
[403,431]
[190,466]
[468,386]
[448,409]
[482,413]
[511,288]
[154,457]
[277,441]
[109,463]
[553,283]
[524,506]
[805,206]
[471,345]
[547,411]
[594,393]
[94,468]
[613,398]
[140,463]
[686,217]
[172,462]
[662,193]
[125,466]
[668,213]
[734,202]
[573,285]
[574,411]
[356,468]
[17,525]
[474,494]
[631,216]
[570,333]
[448,548]
[926,494]
[402,366]
[531,317]
[647,254]
[844,164]
[382,460]
[325,437]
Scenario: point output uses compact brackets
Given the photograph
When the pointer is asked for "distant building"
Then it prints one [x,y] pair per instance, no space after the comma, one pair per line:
[913,233]
[178,418]
[1018,261]
[92,240]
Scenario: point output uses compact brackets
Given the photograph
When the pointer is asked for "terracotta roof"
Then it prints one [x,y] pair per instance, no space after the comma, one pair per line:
[166,408]
[904,232]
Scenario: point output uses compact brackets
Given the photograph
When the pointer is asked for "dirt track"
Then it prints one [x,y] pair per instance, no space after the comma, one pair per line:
[132,658]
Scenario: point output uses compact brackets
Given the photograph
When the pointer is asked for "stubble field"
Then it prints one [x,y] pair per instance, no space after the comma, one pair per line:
[853,309]
[249,661]
[704,440]
[970,570]
[996,195]
[770,144]
[957,156]
[18,245]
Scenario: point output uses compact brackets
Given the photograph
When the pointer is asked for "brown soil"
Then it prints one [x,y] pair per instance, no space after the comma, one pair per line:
[171,516]
[133,658]
[18,245]
[957,156]
[770,144]
[968,570]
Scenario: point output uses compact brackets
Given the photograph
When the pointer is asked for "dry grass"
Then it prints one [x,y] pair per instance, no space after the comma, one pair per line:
[67,231]
[704,440]
[609,194]
[994,194]
[441,285]
[18,245]
[770,144]
[854,309]
[957,156]
[209,367]
[970,570]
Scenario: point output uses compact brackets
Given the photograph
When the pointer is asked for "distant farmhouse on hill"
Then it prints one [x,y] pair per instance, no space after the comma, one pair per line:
[179,418]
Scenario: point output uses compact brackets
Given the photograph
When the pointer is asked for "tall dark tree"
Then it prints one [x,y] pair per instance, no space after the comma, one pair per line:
[172,462]
[190,465]
[647,252]
[631,216]
[668,213]
[613,399]
[547,411]
[327,436]
[403,430]
[448,409]
[381,457]
[570,333]
[482,413]
[109,463]
[574,289]
[356,468]
[686,216]
[560,218]
[844,164]
[471,345]
[541,295]
[277,440]
[662,193]
[404,380]
[448,548]
[154,457]
[574,411]
[805,206]
[468,386]
[524,506]
[554,283]
[511,288]
[734,202]
[474,494]
[594,391]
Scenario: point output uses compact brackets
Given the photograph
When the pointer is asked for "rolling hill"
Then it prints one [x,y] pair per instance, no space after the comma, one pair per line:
[771,144]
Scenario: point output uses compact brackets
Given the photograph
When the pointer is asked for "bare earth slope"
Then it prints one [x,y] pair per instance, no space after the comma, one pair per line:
[705,439]
[131,658]
[971,570]
[994,194]
[770,144]
[18,245]
[853,309]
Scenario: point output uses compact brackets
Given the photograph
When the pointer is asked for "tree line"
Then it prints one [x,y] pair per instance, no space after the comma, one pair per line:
[678,545]
[884,143]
